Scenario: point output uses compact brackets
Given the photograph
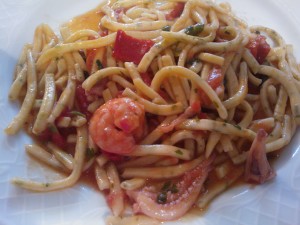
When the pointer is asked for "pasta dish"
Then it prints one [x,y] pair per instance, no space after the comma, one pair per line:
[165,103]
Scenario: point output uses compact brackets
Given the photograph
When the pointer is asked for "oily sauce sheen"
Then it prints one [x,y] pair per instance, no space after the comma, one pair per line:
[89,20]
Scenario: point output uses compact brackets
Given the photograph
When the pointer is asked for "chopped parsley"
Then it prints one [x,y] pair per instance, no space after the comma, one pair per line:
[194,30]
[86,74]
[215,104]
[90,153]
[174,107]
[52,128]
[77,113]
[166,28]
[174,189]
[166,186]
[99,64]
[227,32]
[238,127]
[179,152]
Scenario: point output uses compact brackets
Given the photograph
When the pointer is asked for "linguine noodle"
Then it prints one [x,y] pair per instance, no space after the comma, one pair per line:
[205,98]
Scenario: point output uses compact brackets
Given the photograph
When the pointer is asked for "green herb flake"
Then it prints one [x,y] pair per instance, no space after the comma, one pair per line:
[227,32]
[179,152]
[99,64]
[161,198]
[52,128]
[90,153]
[86,74]
[174,107]
[194,30]
[174,189]
[238,127]
[263,78]
[47,184]
[77,113]
[215,104]
[166,186]
[166,28]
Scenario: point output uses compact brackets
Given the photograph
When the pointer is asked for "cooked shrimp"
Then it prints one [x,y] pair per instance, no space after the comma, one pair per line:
[173,203]
[117,125]
[258,169]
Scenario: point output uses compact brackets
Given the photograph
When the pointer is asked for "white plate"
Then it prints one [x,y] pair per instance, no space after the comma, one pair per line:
[277,202]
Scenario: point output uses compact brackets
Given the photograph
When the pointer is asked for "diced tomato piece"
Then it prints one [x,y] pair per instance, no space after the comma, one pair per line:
[54,136]
[45,135]
[91,53]
[58,140]
[202,115]
[215,80]
[82,101]
[98,88]
[146,78]
[176,12]
[114,157]
[65,132]
[90,56]
[163,94]
[130,49]
[196,106]
[259,48]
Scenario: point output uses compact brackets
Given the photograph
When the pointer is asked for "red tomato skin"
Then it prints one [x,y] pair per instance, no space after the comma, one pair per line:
[196,106]
[176,12]
[91,53]
[55,137]
[214,80]
[58,140]
[259,48]
[130,49]
[82,101]
[90,56]
[146,78]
